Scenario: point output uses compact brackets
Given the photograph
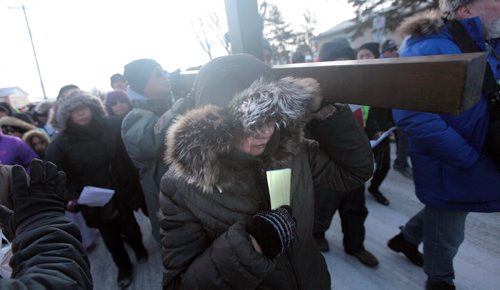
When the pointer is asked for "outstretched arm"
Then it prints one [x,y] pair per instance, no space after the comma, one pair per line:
[47,249]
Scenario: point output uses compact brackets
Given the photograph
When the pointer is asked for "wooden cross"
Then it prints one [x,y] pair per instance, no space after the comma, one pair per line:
[446,84]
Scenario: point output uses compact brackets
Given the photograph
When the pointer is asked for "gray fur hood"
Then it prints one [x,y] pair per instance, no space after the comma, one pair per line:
[63,108]
[197,139]
[422,24]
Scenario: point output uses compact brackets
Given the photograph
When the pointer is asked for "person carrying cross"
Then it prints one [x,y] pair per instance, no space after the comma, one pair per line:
[453,173]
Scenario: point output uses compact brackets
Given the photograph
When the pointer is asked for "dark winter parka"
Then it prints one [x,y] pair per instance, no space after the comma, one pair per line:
[85,153]
[212,189]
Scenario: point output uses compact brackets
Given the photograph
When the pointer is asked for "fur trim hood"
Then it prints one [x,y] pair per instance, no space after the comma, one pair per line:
[15,122]
[197,139]
[63,108]
[422,24]
[36,133]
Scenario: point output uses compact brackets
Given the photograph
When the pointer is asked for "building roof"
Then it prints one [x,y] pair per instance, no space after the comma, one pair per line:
[13,92]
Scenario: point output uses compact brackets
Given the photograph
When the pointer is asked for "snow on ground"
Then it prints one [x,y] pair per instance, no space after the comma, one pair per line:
[477,264]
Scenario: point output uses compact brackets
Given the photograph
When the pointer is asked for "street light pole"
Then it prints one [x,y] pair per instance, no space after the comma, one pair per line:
[34,53]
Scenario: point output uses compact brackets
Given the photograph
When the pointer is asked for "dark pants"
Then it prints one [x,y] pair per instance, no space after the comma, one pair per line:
[401,149]
[124,225]
[382,154]
[442,232]
[130,230]
[352,211]
[111,235]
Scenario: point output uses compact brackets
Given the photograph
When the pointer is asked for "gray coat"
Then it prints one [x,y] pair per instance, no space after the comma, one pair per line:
[211,190]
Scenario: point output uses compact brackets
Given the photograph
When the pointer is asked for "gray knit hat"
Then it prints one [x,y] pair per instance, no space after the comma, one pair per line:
[450,6]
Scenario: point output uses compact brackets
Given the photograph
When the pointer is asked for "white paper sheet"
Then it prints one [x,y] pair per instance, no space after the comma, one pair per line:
[95,196]
[382,136]
[278,182]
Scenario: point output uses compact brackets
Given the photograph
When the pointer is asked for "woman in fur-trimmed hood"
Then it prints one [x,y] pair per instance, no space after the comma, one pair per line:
[215,190]
[86,149]
[38,140]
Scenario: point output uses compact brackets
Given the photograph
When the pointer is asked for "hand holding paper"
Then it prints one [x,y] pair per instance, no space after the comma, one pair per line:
[382,136]
[279,182]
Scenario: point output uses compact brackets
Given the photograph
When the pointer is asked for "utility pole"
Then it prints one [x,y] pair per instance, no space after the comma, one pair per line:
[34,51]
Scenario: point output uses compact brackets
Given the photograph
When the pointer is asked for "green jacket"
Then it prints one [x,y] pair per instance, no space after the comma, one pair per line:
[211,190]
[143,133]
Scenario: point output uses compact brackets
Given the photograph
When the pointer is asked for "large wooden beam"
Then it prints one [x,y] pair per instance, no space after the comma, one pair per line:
[441,84]
[245,27]
[446,84]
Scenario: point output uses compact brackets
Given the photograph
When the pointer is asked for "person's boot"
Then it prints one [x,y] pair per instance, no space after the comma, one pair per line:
[322,243]
[141,254]
[124,277]
[439,286]
[400,245]
[365,257]
[379,197]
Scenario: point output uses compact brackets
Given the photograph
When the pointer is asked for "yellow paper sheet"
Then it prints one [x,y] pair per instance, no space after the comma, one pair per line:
[278,182]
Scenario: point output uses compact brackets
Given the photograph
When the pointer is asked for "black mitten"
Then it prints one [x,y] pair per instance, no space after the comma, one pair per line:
[273,230]
[43,192]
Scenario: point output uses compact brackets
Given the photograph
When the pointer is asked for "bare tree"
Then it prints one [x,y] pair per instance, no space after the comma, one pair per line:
[201,35]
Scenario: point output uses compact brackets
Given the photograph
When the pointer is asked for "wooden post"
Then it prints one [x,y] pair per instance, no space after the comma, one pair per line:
[442,84]
[245,27]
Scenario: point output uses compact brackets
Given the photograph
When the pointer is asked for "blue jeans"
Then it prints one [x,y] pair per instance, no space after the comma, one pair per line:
[442,232]
[401,149]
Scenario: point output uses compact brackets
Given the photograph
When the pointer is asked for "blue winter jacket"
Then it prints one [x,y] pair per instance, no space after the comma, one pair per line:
[447,151]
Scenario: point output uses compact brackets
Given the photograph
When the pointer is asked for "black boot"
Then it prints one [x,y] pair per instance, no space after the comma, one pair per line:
[124,277]
[365,257]
[141,254]
[379,197]
[400,245]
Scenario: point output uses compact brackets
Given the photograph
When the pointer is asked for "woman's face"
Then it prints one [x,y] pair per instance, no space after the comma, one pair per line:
[82,115]
[256,144]
[120,108]
[38,145]
[365,54]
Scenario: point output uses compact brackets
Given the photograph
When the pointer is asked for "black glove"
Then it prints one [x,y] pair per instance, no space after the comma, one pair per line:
[273,230]
[43,193]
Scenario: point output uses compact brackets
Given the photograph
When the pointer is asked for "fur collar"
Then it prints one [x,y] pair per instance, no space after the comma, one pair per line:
[422,24]
[15,122]
[197,139]
[63,108]
[36,133]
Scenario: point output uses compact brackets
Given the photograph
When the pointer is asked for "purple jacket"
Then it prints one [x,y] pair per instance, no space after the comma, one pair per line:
[14,151]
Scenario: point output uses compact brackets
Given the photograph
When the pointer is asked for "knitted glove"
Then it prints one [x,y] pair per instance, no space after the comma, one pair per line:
[43,192]
[273,230]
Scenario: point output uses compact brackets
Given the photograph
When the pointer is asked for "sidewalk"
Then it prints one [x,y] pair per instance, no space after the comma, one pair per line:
[477,265]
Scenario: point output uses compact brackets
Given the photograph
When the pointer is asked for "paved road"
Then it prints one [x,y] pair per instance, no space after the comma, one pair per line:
[477,265]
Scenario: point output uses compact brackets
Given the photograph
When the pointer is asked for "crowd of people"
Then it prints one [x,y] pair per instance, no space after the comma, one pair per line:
[196,166]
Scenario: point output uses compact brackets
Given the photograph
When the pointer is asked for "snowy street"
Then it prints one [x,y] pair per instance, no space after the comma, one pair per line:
[477,264]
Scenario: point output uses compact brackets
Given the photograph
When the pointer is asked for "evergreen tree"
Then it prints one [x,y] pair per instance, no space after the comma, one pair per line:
[277,32]
[395,11]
